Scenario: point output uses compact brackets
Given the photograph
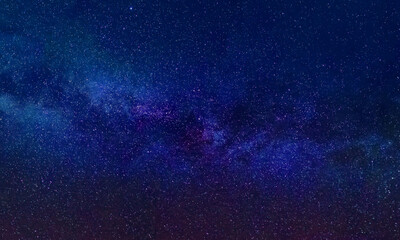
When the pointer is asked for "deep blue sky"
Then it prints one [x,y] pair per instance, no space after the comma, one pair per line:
[199,119]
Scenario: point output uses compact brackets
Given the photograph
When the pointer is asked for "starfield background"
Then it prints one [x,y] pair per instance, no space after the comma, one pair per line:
[150,119]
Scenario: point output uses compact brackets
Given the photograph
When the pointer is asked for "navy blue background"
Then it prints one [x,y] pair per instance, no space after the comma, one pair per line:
[199,119]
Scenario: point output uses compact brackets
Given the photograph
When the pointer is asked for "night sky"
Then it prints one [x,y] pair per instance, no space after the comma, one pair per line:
[199,119]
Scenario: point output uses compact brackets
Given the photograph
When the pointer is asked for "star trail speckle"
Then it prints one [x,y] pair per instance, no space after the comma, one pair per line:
[195,119]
